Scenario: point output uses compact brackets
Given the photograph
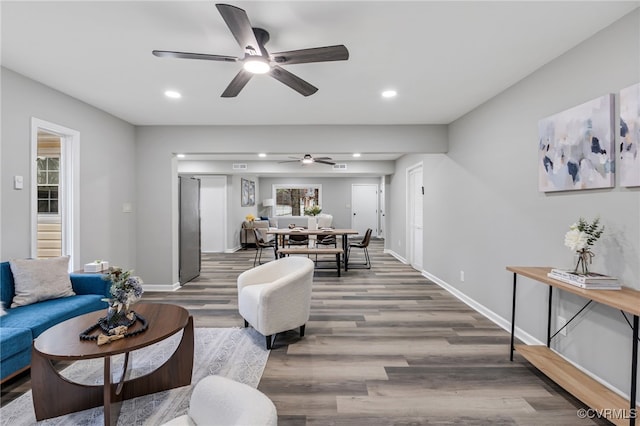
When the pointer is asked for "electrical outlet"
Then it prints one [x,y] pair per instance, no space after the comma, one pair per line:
[461,276]
[561,323]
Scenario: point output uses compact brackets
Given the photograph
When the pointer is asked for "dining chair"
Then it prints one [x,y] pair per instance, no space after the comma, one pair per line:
[262,243]
[298,239]
[324,221]
[364,244]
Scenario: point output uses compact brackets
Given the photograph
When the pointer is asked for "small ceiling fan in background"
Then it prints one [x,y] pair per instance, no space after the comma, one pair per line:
[309,159]
[257,60]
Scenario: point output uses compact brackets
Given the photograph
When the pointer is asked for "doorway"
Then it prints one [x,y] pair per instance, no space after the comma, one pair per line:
[415,195]
[364,208]
[55,191]
[213,207]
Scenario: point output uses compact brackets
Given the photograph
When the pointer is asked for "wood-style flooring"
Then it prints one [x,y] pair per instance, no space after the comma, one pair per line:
[383,346]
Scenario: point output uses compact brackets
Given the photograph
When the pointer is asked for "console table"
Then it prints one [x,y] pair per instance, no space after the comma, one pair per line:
[597,396]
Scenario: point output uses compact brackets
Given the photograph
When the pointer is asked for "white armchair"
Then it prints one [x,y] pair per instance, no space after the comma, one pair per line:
[276,296]
[221,401]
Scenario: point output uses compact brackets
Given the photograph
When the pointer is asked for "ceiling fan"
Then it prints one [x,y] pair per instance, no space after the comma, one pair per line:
[257,60]
[309,159]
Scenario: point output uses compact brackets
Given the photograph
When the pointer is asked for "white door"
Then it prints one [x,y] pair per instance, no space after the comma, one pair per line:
[364,208]
[213,190]
[414,216]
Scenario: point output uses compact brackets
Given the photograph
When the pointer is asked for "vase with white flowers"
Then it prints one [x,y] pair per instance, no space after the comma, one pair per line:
[580,237]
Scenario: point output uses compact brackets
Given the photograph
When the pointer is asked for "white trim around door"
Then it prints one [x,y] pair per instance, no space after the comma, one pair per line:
[70,192]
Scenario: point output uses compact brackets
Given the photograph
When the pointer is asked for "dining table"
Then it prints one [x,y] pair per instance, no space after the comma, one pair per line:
[344,233]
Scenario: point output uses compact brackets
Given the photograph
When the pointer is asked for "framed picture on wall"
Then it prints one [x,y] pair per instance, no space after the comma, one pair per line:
[248,197]
[576,147]
[630,136]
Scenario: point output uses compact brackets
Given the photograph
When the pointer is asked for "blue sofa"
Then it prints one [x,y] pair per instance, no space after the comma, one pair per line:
[22,324]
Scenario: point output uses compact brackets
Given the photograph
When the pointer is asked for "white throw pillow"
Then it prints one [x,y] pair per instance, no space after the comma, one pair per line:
[40,279]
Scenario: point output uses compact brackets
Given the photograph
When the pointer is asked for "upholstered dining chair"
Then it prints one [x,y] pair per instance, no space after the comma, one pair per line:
[276,296]
[324,221]
[298,239]
[262,243]
[364,245]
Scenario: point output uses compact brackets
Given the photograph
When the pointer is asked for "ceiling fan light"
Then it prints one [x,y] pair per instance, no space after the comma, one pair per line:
[307,160]
[256,65]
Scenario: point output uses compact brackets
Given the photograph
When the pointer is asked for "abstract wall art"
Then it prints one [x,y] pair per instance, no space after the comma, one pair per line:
[629,154]
[576,147]
[248,196]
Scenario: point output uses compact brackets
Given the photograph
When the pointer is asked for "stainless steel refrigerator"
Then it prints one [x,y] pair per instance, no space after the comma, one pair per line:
[190,257]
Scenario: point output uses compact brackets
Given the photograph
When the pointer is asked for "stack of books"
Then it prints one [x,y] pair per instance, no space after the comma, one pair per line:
[588,281]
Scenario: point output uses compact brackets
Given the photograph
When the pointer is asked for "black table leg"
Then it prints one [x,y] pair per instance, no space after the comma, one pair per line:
[634,374]
[549,317]
[513,315]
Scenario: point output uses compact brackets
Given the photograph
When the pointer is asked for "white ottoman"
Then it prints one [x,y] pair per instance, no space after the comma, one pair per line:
[220,401]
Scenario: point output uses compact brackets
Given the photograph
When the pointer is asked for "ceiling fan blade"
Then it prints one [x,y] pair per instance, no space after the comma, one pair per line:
[239,81]
[240,26]
[293,81]
[316,54]
[187,55]
[323,158]
[324,161]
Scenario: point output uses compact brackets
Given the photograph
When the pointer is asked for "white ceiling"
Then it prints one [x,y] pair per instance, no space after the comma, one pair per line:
[443,58]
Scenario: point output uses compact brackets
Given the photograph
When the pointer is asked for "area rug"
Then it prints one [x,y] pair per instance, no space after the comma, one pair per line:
[236,353]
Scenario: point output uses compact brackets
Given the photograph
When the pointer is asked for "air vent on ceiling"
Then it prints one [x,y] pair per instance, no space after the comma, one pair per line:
[239,166]
[340,167]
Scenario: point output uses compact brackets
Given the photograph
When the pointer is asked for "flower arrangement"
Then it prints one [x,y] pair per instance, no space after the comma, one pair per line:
[580,237]
[312,211]
[125,289]
[250,217]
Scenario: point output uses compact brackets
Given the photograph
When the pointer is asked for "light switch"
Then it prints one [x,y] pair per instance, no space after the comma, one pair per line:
[18,182]
[126,208]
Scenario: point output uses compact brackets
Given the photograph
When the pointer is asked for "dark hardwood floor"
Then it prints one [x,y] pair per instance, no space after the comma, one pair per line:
[383,346]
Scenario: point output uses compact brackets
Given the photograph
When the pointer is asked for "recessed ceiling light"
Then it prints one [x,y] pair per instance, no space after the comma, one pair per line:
[262,154]
[172,94]
[389,94]
[180,155]
[357,154]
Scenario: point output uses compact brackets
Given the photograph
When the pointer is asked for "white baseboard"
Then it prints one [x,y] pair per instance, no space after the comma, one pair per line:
[233,250]
[488,313]
[396,255]
[519,333]
[161,287]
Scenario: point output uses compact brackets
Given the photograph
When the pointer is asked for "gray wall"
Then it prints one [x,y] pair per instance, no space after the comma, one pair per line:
[483,211]
[107,170]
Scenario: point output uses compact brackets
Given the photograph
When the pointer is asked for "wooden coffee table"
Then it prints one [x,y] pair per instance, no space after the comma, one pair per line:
[54,395]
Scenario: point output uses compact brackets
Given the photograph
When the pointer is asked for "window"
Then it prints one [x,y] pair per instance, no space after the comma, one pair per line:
[48,183]
[292,200]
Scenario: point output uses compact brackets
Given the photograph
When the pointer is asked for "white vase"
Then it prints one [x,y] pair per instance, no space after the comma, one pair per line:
[313,223]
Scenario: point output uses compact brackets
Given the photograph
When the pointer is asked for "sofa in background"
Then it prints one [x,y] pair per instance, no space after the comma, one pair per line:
[284,221]
[247,236]
[20,325]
